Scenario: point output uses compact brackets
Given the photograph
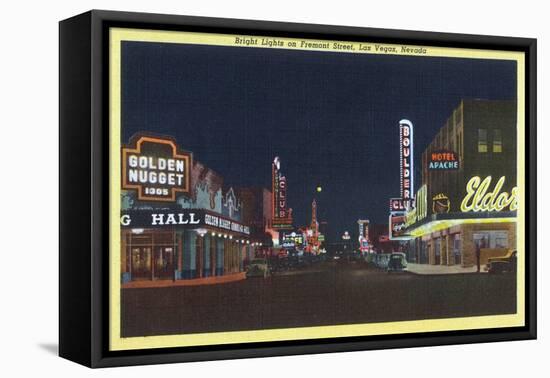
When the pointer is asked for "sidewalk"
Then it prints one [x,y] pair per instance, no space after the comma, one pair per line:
[427,269]
[193,282]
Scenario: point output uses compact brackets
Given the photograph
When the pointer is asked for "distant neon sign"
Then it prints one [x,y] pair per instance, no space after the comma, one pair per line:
[479,198]
[282,215]
[363,229]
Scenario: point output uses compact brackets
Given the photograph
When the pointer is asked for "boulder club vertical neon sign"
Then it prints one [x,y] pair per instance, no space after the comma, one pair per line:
[406,161]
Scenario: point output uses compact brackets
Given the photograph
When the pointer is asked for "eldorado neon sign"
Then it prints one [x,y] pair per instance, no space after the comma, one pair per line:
[479,199]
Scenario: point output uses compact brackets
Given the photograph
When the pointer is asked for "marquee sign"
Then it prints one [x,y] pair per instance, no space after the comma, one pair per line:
[420,211]
[292,239]
[155,169]
[443,160]
[480,198]
[397,226]
[182,218]
[406,161]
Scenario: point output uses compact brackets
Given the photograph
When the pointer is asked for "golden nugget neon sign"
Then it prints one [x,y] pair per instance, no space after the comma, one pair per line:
[479,198]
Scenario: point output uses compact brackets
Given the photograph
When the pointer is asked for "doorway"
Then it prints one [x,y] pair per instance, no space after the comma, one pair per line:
[141,263]
[164,263]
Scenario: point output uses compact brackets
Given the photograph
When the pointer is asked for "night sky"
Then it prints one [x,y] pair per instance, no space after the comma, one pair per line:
[331,117]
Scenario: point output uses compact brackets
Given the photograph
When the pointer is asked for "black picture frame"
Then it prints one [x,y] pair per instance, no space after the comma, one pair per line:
[84,194]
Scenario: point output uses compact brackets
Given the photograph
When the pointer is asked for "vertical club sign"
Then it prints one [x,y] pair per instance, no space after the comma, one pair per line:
[282,217]
[406,162]
[279,190]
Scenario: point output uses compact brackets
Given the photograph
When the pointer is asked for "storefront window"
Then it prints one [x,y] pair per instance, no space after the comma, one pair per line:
[141,263]
[151,255]
[456,249]
[424,252]
[501,239]
[164,262]
[491,239]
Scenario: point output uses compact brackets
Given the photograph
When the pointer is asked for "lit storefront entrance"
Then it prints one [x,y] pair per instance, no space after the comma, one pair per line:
[163,245]
[455,241]
[150,256]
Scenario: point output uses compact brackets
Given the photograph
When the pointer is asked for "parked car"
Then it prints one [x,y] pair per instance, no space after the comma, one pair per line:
[502,264]
[397,262]
[381,260]
[258,268]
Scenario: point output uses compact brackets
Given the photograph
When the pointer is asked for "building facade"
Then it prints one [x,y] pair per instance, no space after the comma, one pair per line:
[467,200]
[198,234]
[258,214]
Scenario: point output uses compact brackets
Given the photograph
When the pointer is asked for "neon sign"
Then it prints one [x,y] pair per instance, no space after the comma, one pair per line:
[397,225]
[406,161]
[282,215]
[421,210]
[363,229]
[479,198]
[443,160]
[155,169]
[441,204]
[397,204]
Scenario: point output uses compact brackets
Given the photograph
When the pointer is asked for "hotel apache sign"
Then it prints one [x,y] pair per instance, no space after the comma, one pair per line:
[443,160]
[155,169]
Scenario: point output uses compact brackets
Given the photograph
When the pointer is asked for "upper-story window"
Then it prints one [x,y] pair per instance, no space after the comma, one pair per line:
[482,140]
[497,140]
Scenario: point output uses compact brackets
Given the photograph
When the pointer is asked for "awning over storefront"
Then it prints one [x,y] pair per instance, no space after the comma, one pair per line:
[437,222]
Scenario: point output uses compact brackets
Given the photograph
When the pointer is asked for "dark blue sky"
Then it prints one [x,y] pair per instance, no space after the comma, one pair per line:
[331,117]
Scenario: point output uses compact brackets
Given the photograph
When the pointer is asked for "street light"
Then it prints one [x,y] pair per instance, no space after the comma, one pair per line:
[201,231]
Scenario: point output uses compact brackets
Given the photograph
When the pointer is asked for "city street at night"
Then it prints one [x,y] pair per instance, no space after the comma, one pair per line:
[244,218]
[328,293]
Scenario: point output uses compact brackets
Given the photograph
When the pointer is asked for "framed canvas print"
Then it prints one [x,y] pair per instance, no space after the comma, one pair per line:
[234,188]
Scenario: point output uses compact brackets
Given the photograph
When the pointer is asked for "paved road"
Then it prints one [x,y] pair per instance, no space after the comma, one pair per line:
[327,294]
